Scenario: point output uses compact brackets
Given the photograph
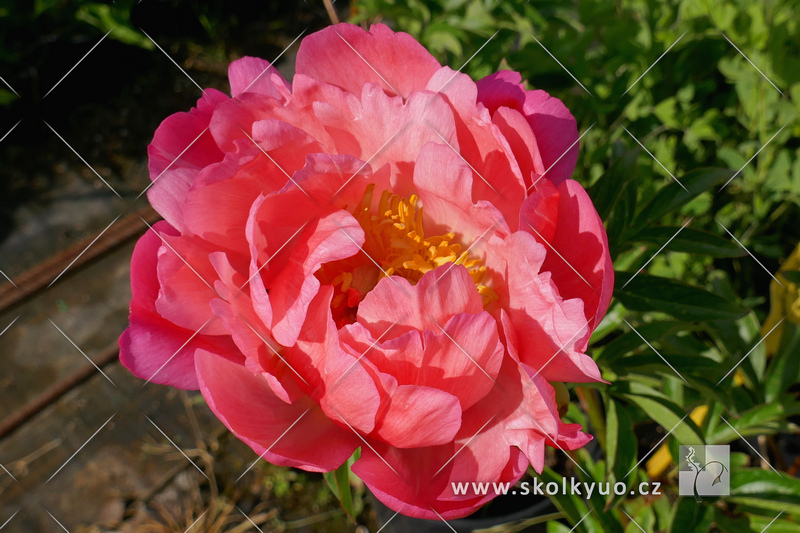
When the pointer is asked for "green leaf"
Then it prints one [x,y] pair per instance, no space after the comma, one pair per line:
[783,368]
[683,301]
[690,241]
[629,342]
[765,489]
[674,196]
[760,420]
[668,415]
[689,515]
[339,482]
[621,446]
[606,192]
[792,275]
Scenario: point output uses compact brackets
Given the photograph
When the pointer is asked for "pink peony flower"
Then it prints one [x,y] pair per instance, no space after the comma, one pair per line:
[382,254]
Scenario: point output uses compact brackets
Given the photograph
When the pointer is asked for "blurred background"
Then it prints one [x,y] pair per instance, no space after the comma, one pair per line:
[659,90]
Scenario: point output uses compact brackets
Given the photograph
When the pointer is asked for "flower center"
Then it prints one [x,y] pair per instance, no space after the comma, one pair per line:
[396,245]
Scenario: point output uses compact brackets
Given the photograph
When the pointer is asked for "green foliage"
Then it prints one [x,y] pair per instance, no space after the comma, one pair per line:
[683,334]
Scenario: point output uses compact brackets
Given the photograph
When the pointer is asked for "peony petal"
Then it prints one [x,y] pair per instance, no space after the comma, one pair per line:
[554,329]
[554,127]
[255,75]
[497,176]
[284,434]
[344,389]
[348,56]
[462,358]
[413,417]
[578,257]
[333,237]
[439,294]
[181,147]
[448,201]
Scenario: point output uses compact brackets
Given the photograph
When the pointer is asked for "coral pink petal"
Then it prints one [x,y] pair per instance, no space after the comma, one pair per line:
[439,294]
[462,358]
[181,147]
[519,135]
[414,416]
[286,434]
[255,75]
[336,236]
[448,200]
[556,132]
[346,392]
[554,329]
[578,255]
[186,277]
[348,56]
[498,178]
[554,127]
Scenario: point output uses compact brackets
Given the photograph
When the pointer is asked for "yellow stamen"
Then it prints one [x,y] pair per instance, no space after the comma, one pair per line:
[396,240]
